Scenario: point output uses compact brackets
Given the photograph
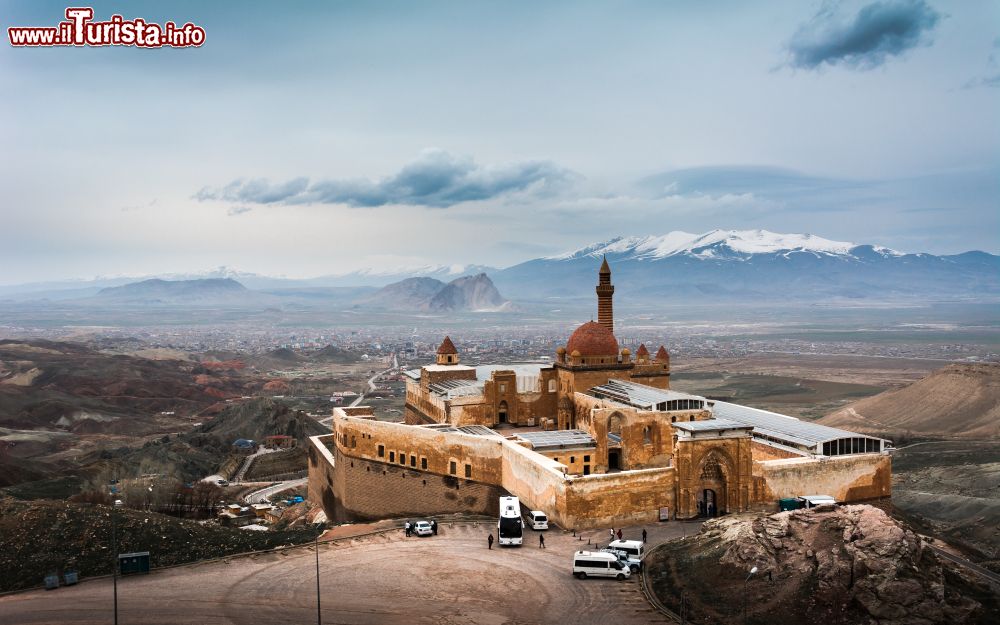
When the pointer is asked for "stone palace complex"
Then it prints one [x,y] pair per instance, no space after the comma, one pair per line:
[595,438]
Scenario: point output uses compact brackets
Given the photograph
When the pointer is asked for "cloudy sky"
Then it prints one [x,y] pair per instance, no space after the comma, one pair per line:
[305,140]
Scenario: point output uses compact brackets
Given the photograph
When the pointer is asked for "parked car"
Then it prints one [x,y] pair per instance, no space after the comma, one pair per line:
[423,528]
[622,557]
[599,564]
[634,550]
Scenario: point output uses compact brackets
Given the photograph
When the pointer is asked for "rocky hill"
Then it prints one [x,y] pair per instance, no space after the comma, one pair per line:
[958,401]
[466,294]
[195,454]
[829,566]
[473,293]
[411,293]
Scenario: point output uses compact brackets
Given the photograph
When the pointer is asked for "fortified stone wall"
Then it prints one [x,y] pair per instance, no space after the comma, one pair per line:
[845,478]
[615,499]
[366,490]
[321,473]
[445,453]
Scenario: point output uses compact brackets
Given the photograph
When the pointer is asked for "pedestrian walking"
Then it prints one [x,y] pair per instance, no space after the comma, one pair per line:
[619,533]
[489,541]
[644,534]
[407,528]
[541,541]
[434,527]
[612,533]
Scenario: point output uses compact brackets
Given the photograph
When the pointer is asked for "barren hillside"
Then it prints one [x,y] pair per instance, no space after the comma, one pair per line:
[958,401]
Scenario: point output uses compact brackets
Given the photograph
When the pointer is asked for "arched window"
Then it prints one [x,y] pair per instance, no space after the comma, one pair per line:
[647,437]
[552,386]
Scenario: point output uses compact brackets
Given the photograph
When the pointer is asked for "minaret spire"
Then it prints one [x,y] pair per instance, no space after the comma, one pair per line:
[605,291]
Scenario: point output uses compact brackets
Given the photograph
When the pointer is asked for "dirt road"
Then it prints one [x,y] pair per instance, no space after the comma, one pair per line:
[386,578]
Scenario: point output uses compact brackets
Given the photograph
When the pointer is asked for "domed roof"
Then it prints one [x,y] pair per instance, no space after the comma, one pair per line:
[447,347]
[642,351]
[593,339]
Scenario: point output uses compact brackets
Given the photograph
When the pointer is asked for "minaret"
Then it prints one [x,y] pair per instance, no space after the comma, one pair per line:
[605,290]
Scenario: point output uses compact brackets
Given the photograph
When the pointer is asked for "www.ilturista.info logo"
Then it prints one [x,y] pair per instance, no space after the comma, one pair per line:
[79,29]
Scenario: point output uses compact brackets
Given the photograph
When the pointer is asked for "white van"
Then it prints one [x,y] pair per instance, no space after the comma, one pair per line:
[599,564]
[633,549]
[538,520]
[811,501]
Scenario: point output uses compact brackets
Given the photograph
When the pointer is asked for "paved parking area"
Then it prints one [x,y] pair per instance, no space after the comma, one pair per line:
[383,578]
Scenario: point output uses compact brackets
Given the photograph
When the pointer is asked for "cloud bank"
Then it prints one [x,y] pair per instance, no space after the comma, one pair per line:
[436,179]
[879,31]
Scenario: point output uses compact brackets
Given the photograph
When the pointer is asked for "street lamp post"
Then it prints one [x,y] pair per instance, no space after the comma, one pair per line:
[319,613]
[751,574]
[114,551]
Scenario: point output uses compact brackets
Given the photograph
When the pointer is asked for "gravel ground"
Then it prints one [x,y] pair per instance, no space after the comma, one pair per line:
[385,578]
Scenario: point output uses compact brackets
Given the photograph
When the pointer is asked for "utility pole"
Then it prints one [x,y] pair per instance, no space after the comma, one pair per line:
[751,574]
[115,502]
[319,612]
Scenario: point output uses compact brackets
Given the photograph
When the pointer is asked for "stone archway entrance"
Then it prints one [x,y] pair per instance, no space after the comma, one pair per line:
[502,412]
[614,460]
[712,492]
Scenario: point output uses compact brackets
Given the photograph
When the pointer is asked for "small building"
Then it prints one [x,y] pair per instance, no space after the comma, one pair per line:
[260,510]
[279,441]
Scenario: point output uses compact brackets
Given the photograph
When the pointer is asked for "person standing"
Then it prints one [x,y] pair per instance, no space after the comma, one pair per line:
[611,532]
[541,541]
[434,527]
[619,533]
[644,535]
[489,541]
[406,527]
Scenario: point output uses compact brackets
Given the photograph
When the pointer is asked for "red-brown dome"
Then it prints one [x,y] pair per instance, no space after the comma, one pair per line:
[593,339]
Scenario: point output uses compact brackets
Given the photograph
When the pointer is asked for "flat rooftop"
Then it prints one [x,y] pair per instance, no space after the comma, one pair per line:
[457,388]
[559,439]
[474,430]
[711,425]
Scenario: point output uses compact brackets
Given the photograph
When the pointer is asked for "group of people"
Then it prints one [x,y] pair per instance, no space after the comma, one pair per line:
[409,527]
[618,534]
[541,537]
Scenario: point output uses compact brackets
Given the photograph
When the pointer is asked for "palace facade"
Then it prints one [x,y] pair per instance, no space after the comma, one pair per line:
[596,437]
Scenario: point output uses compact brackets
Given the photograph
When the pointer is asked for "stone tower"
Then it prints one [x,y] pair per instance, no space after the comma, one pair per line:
[447,354]
[605,291]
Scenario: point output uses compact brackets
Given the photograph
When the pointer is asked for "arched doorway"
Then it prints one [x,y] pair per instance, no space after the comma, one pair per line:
[616,450]
[502,412]
[707,504]
[712,492]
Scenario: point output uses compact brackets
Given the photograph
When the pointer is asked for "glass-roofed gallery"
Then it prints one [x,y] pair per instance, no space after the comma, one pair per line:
[769,428]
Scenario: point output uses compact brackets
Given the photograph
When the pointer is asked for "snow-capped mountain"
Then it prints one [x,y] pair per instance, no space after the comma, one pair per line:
[748,265]
[733,244]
